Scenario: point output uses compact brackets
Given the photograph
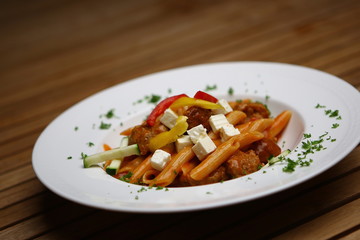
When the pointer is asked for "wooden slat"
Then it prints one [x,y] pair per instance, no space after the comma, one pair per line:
[42,223]
[171,39]
[352,236]
[15,160]
[31,207]
[20,192]
[18,175]
[327,225]
[307,205]
[55,53]
[32,113]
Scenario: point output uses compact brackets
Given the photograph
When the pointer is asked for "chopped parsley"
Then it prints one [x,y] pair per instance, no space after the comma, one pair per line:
[126,177]
[104,125]
[76,128]
[335,125]
[334,113]
[210,88]
[90,144]
[231,91]
[110,114]
[83,156]
[69,157]
[154,98]
[142,189]
[320,106]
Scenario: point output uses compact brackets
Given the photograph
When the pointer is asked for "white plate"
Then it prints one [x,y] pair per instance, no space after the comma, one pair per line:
[281,86]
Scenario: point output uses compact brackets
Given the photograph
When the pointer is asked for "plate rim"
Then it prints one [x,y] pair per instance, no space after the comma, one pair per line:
[188,208]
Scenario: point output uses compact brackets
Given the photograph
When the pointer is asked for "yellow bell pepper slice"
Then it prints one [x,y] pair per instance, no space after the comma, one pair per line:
[164,138]
[187,101]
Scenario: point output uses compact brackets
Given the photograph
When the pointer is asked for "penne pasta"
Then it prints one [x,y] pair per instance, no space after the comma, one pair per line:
[172,169]
[280,122]
[235,117]
[130,165]
[222,153]
[140,170]
[149,176]
[258,125]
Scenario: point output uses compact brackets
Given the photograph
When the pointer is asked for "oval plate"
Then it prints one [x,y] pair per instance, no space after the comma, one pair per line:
[323,105]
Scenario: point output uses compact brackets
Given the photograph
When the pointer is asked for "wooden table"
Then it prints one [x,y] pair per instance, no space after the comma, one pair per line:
[55,53]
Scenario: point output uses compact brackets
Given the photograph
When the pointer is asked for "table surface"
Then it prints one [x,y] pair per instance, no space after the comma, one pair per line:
[55,53]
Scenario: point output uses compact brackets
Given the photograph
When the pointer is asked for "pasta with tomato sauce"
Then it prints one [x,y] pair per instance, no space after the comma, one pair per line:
[189,141]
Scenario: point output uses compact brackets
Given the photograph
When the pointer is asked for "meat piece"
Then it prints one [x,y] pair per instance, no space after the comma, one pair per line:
[142,134]
[216,176]
[198,115]
[253,110]
[241,163]
[266,148]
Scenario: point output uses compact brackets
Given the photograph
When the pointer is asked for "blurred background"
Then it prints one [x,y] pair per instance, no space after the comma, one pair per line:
[55,53]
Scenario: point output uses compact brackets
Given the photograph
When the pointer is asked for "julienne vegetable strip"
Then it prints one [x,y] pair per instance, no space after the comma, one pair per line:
[187,101]
[170,136]
[161,107]
[205,96]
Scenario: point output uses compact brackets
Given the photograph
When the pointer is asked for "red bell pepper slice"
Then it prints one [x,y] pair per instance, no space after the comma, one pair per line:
[161,107]
[205,96]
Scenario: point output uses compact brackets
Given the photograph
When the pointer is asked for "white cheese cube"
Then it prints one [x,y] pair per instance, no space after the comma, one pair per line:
[217,121]
[203,147]
[159,159]
[196,133]
[169,118]
[182,142]
[226,107]
[227,131]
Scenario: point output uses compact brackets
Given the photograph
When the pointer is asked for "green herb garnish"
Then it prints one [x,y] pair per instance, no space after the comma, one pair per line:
[126,177]
[83,156]
[210,88]
[104,125]
[154,98]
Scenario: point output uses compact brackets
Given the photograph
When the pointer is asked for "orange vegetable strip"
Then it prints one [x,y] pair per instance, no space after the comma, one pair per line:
[222,153]
[173,167]
[127,132]
[279,124]
[106,147]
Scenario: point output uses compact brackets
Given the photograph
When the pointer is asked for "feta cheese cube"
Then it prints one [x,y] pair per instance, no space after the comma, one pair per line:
[169,118]
[196,133]
[182,142]
[227,131]
[203,147]
[226,107]
[159,159]
[217,121]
